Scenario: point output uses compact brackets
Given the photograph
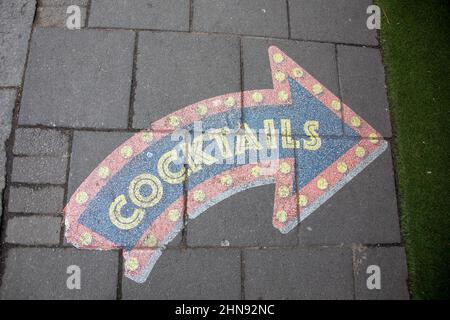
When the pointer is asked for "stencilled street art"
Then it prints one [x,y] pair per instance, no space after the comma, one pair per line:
[142,195]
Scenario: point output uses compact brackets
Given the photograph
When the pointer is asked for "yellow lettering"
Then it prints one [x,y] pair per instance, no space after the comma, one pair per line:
[310,128]
[286,135]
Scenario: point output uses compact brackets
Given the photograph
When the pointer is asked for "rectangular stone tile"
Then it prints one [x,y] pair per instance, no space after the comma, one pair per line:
[393,272]
[36,200]
[141,14]
[56,17]
[323,273]
[38,142]
[362,77]
[16,18]
[91,148]
[88,150]
[42,273]
[342,21]
[363,211]
[39,169]
[244,219]
[175,70]
[190,274]
[7,101]
[33,230]
[253,17]
[78,79]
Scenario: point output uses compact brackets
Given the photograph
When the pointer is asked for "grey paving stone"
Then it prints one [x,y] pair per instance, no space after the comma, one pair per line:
[38,142]
[56,17]
[88,150]
[342,21]
[393,270]
[190,274]
[41,273]
[33,230]
[363,211]
[7,100]
[141,14]
[39,169]
[63,2]
[63,66]
[16,18]
[244,219]
[363,86]
[175,70]
[36,200]
[319,59]
[253,17]
[323,273]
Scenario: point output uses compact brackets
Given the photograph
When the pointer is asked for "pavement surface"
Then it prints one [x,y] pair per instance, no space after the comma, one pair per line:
[68,99]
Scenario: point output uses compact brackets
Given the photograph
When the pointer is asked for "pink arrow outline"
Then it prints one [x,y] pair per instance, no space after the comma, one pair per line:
[140,261]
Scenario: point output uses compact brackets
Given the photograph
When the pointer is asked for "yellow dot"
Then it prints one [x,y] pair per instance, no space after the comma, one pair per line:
[230,102]
[226,180]
[336,105]
[282,216]
[82,197]
[342,167]
[257,97]
[297,72]
[256,171]
[199,195]
[126,152]
[278,58]
[373,138]
[322,183]
[103,172]
[150,241]
[132,264]
[174,121]
[283,96]
[317,89]
[285,168]
[174,215]
[360,152]
[147,137]
[283,191]
[302,200]
[356,122]
[202,109]
[280,76]
[86,238]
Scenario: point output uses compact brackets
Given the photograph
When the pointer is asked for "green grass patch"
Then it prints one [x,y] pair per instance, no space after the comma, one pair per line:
[416,48]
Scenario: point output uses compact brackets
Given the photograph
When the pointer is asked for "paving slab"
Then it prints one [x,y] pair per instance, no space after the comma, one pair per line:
[244,219]
[363,87]
[252,17]
[41,274]
[16,18]
[63,2]
[340,21]
[190,274]
[33,230]
[39,170]
[46,199]
[56,16]
[62,67]
[7,102]
[175,70]
[141,14]
[322,273]
[393,273]
[88,150]
[39,142]
[363,211]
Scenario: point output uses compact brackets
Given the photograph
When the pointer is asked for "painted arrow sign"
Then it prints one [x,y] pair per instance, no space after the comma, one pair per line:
[141,195]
